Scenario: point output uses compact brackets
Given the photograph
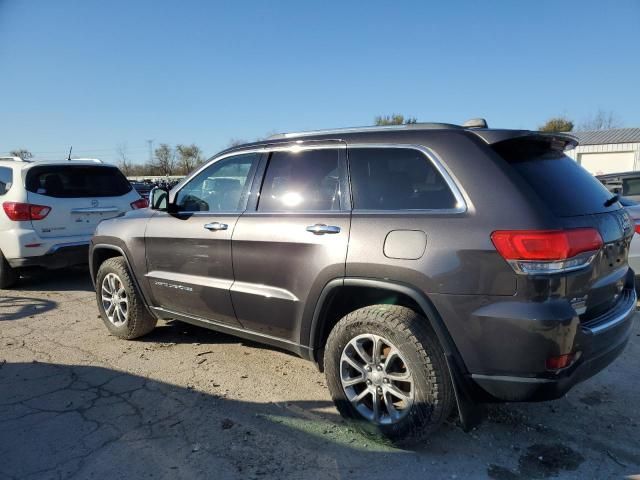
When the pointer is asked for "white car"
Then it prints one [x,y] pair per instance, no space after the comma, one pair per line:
[51,209]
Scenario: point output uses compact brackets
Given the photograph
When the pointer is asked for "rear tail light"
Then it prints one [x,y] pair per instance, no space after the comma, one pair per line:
[560,362]
[140,203]
[547,251]
[19,212]
[637,226]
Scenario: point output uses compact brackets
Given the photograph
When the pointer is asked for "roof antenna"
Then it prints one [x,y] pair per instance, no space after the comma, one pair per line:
[69,156]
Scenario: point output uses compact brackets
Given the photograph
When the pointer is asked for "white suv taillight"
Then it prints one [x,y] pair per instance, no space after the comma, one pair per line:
[140,203]
[547,251]
[19,212]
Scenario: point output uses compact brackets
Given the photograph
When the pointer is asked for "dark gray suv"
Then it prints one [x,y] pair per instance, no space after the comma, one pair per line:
[424,267]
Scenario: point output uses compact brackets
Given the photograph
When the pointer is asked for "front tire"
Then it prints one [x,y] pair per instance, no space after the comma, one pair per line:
[387,372]
[121,306]
[8,276]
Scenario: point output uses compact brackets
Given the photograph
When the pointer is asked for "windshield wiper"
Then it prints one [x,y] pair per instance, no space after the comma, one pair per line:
[612,200]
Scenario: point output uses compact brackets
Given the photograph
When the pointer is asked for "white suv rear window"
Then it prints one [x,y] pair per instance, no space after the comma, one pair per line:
[77,181]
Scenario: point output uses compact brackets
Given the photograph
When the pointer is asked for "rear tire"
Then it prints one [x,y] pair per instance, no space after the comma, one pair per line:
[8,276]
[120,304]
[410,364]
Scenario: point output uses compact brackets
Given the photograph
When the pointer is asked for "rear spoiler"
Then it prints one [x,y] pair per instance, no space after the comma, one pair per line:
[559,141]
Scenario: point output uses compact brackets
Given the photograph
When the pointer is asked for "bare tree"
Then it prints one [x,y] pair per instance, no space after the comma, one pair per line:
[189,157]
[601,120]
[165,160]
[123,160]
[22,153]
[234,142]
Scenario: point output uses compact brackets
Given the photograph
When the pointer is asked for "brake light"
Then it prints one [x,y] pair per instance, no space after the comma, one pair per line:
[637,226]
[140,203]
[547,251]
[19,212]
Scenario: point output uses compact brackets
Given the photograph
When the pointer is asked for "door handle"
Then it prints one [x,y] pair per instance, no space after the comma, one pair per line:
[215,226]
[321,229]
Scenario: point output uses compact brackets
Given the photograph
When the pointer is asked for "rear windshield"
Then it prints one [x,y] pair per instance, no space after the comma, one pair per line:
[566,187]
[75,181]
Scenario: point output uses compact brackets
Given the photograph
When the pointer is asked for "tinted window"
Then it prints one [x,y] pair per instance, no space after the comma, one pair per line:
[75,181]
[6,178]
[301,181]
[396,179]
[631,186]
[221,187]
[566,187]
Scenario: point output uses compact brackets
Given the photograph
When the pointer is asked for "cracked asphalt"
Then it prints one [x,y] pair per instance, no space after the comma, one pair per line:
[185,402]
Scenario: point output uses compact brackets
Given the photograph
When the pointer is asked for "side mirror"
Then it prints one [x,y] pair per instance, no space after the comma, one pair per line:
[159,199]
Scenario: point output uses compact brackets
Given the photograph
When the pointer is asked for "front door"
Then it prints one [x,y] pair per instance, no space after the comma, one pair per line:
[292,239]
[189,248]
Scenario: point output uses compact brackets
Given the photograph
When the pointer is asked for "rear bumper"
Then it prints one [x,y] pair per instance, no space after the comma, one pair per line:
[599,342]
[59,256]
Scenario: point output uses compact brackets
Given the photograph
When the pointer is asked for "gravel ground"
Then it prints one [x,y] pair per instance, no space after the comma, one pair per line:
[185,402]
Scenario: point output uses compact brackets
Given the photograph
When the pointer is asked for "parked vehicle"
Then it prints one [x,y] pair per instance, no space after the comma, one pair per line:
[633,208]
[143,188]
[423,267]
[50,210]
[625,184]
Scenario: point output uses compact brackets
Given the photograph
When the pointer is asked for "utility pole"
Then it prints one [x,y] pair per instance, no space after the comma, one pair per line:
[150,142]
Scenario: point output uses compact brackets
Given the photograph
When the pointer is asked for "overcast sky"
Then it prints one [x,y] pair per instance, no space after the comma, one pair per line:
[98,74]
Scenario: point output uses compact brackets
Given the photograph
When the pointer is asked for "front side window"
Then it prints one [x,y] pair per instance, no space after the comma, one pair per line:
[307,180]
[221,187]
[6,179]
[396,179]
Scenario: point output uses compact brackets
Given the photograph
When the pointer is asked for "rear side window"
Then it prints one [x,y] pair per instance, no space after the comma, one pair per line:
[6,179]
[396,179]
[631,186]
[76,181]
[301,181]
[565,187]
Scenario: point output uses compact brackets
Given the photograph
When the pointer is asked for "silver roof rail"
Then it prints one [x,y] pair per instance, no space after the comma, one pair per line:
[13,159]
[384,128]
[94,160]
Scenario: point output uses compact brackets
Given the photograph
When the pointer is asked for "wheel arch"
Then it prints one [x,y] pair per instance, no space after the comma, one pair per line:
[329,310]
[103,251]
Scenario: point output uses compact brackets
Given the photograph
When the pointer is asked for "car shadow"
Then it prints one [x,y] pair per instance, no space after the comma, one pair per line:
[16,308]
[76,279]
[178,332]
[62,421]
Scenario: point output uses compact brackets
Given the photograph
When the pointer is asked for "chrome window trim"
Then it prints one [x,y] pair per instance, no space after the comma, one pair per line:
[433,157]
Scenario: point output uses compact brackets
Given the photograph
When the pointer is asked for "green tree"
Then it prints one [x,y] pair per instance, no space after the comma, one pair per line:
[22,153]
[394,119]
[557,124]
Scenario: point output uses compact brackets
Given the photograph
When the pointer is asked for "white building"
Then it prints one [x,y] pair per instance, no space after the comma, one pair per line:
[608,151]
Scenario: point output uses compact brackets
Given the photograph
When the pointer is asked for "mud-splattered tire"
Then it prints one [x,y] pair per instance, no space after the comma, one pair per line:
[121,307]
[410,363]
[8,276]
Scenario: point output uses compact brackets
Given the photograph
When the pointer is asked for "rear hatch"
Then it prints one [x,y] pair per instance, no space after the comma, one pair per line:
[577,200]
[80,197]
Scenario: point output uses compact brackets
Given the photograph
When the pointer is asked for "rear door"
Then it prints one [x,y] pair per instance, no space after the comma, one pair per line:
[578,200]
[293,238]
[189,250]
[80,197]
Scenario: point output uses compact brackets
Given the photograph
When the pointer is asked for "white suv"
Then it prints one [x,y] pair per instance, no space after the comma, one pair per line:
[50,210]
